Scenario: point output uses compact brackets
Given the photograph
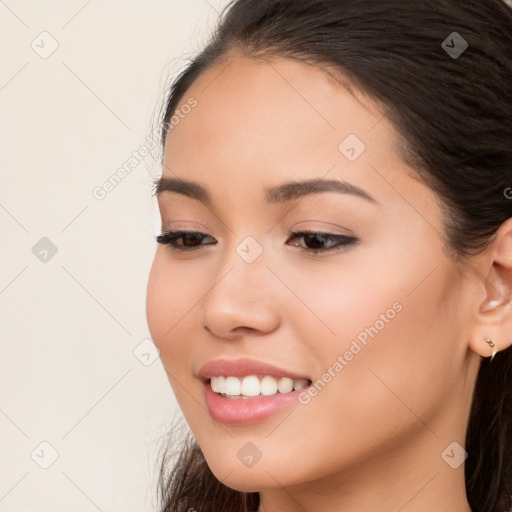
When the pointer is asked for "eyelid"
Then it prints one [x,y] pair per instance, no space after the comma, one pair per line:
[184,225]
[328,226]
[169,237]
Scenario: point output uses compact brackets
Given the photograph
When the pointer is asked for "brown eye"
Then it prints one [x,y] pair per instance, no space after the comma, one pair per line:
[316,242]
[191,239]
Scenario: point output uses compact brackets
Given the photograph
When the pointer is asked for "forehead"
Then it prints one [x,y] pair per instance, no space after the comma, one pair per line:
[278,106]
[257,123]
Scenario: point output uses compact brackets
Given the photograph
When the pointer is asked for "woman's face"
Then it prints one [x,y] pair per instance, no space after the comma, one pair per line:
[376,323]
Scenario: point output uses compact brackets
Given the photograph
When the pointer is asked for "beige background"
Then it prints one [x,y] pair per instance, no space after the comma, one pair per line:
[84,400]
[69,325]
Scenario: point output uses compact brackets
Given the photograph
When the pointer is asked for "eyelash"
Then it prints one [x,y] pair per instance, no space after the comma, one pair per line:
[170,237]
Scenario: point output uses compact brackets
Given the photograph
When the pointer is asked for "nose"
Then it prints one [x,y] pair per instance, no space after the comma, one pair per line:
[243,299]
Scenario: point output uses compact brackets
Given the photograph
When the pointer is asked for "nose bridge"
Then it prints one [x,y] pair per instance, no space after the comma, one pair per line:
[242,272]
[244,250]
[241,293]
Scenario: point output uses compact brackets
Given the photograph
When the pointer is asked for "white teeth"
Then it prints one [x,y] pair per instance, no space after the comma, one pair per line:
[233,386]
[299,384]
[219,384]
[268,386]
[285,385]
[251,385]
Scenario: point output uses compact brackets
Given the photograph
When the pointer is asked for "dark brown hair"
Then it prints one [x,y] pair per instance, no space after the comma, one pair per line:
[453,114]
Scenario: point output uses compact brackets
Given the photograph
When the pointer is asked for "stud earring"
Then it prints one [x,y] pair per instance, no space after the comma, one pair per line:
[493,346]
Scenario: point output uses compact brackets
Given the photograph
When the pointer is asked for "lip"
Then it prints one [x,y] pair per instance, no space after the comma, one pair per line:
[244,367]
[246,411]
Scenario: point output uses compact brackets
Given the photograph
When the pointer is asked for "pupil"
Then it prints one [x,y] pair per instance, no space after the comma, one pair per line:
[190,237]
[315,245]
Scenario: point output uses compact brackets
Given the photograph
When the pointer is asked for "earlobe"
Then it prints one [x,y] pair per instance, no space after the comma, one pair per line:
[487,347]
[493,315]
[493,346]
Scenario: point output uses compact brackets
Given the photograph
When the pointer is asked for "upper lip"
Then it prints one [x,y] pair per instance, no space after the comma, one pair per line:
[242,368]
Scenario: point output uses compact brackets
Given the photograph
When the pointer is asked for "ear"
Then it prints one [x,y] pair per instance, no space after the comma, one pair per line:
[493,310]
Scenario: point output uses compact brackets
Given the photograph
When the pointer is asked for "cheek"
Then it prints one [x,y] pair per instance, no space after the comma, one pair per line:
[171,299]
[157,295]
[391,327]
[334,303]
[394,343]
[172,293]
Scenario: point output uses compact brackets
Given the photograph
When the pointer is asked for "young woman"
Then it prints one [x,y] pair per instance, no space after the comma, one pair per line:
[331,293]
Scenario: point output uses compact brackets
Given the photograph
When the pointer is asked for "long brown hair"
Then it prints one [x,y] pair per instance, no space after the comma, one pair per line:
[454,114]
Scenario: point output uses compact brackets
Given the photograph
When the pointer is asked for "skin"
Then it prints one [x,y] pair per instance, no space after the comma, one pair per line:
[373,437]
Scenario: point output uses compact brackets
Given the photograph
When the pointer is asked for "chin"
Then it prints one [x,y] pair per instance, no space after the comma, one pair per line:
[247,480]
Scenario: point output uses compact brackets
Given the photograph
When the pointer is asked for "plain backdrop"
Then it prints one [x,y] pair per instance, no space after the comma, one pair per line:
[84,399]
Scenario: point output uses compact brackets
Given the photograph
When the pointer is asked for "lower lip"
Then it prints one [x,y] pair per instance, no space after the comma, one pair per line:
[240,411]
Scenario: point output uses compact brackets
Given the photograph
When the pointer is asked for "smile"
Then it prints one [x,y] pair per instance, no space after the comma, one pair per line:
[252,386]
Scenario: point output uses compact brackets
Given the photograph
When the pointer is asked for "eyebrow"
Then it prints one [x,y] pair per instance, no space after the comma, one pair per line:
[280,193]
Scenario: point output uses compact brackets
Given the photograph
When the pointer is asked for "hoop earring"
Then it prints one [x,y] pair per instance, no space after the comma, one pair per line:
[493,346]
